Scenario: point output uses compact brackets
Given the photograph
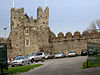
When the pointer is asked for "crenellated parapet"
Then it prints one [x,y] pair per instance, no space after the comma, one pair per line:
[42,13]
[52,35]
[43,17]
[85,34]
[46,11]
[19,18]
[17,11]
[94,34]
[39,13]
[60,35]
[77,35]
[68,35]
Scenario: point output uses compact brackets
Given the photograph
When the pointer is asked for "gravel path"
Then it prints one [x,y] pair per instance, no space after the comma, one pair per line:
[63,66]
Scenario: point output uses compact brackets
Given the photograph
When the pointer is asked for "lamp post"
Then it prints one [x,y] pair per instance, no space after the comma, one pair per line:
[87,47]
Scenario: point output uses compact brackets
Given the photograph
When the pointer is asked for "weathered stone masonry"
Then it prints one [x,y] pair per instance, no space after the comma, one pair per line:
[76,42]
[28,34]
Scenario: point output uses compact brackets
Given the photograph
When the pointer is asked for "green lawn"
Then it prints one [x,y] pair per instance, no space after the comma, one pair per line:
[98,57]
[93,61]
[14,70]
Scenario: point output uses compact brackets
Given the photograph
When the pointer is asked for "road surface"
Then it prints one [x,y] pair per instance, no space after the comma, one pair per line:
[63,66]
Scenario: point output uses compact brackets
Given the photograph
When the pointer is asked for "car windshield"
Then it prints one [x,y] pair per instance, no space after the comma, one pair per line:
[59,53]
[71,52]
[31,54]
[46,54]
[84,50]
[38,54]
[26,57]
[18,58]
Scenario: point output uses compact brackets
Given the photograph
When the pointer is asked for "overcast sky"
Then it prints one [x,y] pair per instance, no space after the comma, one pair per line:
[65,15]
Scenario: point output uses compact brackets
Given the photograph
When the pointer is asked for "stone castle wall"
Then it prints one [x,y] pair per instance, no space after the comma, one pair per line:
[76,42]
[30,35]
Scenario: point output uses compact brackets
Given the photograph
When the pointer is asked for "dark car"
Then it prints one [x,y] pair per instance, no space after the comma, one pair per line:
[84,52]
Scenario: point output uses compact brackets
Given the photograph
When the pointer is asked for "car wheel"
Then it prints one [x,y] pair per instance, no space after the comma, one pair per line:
[23,64]
[36,61]
[29,62]
[32,60]
[12,65]
[43,60]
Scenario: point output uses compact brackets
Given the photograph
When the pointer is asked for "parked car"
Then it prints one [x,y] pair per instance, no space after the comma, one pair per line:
[46,56]
[60,54]
[8,62]
[84,52]
[72,53]
[31,57]
[20,60]
[49,56]
[40,56]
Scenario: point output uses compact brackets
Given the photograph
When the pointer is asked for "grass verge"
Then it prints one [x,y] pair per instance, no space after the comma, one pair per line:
[90,64]
[14,70]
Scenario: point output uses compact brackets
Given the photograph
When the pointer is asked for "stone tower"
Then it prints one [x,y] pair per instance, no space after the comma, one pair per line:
[27,34]
[17,31]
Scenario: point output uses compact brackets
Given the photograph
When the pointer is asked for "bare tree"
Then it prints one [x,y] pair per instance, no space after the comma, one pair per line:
[98,23]
[94,25]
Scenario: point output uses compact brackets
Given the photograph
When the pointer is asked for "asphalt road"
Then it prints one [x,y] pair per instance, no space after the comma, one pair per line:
[63,66]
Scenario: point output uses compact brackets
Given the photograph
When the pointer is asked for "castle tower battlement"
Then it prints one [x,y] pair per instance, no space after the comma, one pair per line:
[43,17]
[19,18]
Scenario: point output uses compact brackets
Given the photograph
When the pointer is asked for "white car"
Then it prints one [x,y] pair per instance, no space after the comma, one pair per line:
[60,54]
[20,60]
[72,53]
[8,61]
[31,57]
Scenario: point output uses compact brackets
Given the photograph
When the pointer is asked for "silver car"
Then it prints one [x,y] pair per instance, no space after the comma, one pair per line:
[31,57]
[20,60]
[72,53]
[49,56]
[40,56]
[60,54]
